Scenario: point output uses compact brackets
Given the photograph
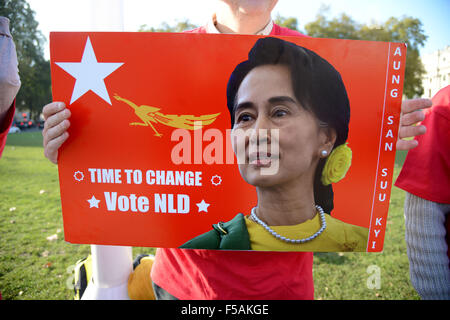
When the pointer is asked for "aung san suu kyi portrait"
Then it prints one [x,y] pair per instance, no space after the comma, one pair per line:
[296,106]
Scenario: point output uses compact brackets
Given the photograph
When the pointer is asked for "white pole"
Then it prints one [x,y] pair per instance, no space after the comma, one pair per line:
[111,265]
[107,15]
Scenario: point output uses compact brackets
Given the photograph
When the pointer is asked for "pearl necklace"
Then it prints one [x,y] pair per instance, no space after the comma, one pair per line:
[280,237]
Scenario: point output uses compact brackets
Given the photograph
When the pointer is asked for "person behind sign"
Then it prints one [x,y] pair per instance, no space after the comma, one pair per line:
[425,177]
[9,80]
[291,89]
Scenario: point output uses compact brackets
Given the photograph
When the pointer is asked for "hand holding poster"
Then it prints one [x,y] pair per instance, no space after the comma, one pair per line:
[279,143]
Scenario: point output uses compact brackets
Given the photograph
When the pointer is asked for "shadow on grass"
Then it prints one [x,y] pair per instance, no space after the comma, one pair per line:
[330,257]
[25,139]
[400,156]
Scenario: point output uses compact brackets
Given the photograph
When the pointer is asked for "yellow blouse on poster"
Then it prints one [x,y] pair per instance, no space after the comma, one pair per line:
[338,236]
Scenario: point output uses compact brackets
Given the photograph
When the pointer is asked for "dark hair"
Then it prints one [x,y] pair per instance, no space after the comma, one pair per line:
[317,85]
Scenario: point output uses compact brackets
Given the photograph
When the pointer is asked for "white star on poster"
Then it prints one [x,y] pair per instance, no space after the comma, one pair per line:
[202,206]
[93,203]
[89,74]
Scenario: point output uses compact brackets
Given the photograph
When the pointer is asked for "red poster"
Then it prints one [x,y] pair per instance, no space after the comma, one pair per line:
[153,154]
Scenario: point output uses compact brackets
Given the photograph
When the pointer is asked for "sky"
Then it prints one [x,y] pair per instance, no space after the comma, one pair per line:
[129,15]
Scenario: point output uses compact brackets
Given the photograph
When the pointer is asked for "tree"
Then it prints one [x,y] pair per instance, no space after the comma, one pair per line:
[406,30]
[289,22]
[34,70]
[180,26]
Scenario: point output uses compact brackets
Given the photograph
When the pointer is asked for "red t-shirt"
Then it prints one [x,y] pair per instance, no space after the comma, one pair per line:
[242,275]
[426,170]
[4,127]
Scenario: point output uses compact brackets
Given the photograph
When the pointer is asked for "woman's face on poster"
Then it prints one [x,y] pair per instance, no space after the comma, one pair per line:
[285,141]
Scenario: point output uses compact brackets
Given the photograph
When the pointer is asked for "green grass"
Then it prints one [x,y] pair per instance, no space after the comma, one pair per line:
[32,267]
[345,275]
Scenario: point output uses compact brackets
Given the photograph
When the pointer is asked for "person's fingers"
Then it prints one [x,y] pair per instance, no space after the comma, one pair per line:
[415,104]
[52,108]
[54,134]
[411,131]
[51,150]
[56,131]
[412,118]
[57,118]
[58,121]
[406,144]
[410,115]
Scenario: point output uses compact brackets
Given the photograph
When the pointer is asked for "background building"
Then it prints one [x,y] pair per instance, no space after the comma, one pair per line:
[437,67]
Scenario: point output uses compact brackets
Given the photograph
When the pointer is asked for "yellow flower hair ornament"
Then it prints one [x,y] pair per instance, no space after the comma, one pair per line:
[337,165]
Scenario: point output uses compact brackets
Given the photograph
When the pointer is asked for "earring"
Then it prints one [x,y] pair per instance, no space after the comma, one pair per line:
[324,153]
